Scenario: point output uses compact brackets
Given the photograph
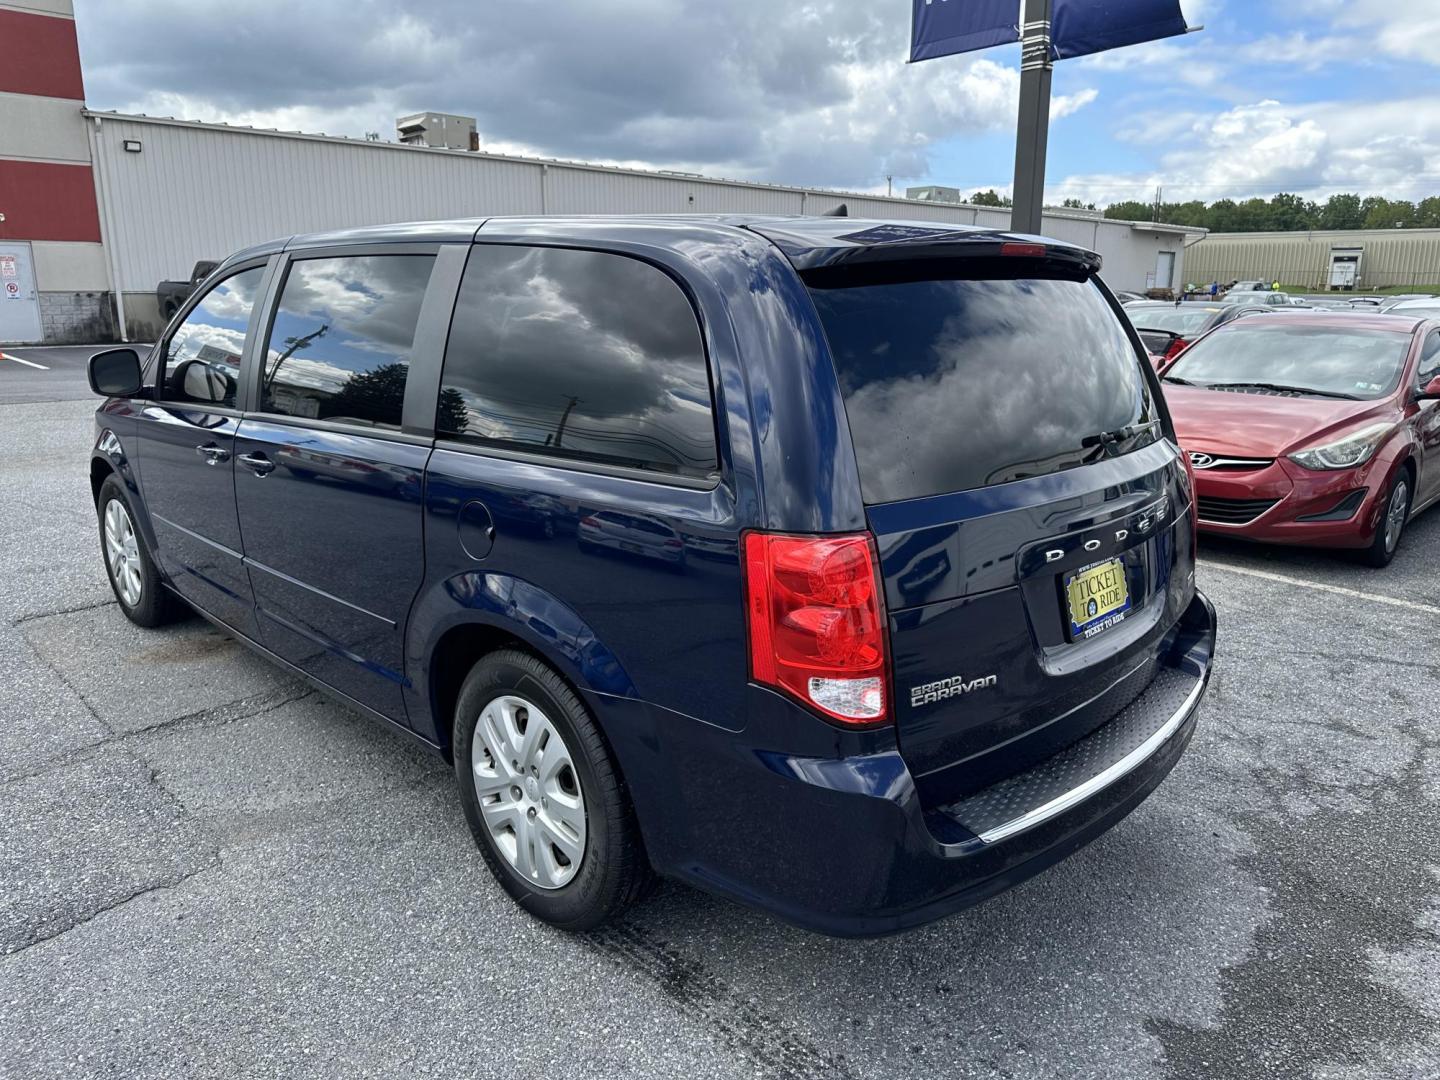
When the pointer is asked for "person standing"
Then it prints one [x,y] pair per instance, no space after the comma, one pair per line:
[1214,289]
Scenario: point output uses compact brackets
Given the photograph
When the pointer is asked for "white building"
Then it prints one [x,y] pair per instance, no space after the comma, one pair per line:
[106,206]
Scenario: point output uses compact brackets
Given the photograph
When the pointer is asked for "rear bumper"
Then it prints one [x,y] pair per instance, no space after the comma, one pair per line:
[843,845]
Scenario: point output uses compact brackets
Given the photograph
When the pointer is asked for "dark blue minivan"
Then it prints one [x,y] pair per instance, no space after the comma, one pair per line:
[843,568]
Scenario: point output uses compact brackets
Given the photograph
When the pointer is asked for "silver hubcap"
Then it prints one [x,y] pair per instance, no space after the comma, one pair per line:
[122,552]
[1395,516]
[529,791]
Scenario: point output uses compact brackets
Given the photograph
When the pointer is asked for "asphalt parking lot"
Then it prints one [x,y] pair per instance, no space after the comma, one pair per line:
[208,870]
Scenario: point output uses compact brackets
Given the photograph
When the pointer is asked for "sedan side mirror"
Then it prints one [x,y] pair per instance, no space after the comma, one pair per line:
[115,373]
[1430,390]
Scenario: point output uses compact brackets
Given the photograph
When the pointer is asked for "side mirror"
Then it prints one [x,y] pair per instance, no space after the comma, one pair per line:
[115,373]
[1430,391]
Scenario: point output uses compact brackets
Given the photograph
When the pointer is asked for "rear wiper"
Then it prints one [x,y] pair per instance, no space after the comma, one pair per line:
[1280,388]
[1108,439]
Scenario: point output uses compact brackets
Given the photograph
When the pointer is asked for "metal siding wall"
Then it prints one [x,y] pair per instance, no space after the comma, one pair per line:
[194,194]
[200,193]
[1391,256]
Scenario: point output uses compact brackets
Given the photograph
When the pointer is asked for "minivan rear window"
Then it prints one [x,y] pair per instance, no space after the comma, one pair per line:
[952,384]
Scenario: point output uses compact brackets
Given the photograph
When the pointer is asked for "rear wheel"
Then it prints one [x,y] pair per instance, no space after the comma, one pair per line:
[542,796]
[1392,522]
[132,573]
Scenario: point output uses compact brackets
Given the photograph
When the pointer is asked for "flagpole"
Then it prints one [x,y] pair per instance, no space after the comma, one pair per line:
[1033,129]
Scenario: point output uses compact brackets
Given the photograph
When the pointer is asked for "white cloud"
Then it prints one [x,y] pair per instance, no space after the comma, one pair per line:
[1313,149]
[1407,29]
[817,93]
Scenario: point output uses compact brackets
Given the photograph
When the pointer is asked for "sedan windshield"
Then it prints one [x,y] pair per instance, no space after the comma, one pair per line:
[1323,360]
[1416,309]
[1177,320]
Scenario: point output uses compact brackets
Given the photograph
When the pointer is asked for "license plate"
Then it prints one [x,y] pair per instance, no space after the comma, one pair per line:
[1097,597]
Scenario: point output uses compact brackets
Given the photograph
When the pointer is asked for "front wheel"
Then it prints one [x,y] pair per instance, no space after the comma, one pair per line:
[542,796]
[128,564]
[1392,523]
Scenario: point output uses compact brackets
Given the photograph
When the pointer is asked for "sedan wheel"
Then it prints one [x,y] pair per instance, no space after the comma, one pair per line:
[1391,524]
[1396,513]
[528,792]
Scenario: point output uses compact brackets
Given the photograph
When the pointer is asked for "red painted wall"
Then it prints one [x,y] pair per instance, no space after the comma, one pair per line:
[43,201]
[39,55]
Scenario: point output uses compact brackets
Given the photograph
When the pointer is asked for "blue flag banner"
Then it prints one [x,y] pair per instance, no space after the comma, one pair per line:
[944,27]
[1080,27]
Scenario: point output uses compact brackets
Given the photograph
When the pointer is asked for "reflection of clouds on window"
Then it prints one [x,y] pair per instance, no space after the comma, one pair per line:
[1364,363]
[340,344]
[213,334]
[580,352]
[950,385]
[233,298]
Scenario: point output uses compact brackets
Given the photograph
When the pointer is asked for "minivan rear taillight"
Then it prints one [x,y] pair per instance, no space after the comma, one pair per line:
[816,620]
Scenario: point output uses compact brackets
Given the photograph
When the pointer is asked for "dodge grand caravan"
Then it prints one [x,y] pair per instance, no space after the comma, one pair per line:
[842,568]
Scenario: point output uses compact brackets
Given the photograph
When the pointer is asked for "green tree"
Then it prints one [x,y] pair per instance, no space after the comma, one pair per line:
[1342,212]
[1076,204]
[1130,210]
[990,198]
[376,395]
[1427,213]
[1253,215]
[1291,213]
[1223,216]
[1382,213]
[452,414]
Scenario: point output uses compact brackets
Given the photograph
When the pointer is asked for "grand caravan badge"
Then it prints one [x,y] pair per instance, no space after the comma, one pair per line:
[954,686]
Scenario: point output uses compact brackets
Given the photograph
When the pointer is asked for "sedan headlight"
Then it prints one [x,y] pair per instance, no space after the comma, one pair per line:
[1351,449]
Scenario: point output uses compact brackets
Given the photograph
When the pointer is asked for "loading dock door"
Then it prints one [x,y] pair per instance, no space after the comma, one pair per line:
[1344,267]
[19,306]
[1165,270]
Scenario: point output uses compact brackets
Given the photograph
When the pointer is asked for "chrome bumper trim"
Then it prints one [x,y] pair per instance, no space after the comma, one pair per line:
[1101,780]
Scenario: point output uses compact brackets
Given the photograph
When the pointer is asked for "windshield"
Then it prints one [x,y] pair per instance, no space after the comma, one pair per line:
[957,384]
[1416,309]
[1177,320]
[1329,361]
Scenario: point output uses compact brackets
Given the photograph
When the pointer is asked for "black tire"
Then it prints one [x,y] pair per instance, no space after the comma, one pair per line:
[156,605]
[614,870]
[1386,542]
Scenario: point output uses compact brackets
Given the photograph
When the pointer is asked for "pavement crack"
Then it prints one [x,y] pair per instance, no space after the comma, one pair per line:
[245,708]
[159,886]
[218,715]
[34,615]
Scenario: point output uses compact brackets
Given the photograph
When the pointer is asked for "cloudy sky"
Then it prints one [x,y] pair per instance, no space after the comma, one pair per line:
[1312,96]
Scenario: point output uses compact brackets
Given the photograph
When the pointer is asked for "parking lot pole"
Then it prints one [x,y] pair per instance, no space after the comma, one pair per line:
[1033,128]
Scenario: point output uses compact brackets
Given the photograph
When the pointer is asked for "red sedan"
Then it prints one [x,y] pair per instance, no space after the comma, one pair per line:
[1312,429]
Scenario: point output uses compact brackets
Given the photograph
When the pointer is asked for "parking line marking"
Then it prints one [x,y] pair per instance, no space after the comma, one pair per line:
[1393,601]
[28,363]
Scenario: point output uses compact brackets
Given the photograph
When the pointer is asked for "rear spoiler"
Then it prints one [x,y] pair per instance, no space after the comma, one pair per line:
[892,244]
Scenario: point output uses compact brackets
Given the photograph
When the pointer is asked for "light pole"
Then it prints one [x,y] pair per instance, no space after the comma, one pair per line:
[1033,129]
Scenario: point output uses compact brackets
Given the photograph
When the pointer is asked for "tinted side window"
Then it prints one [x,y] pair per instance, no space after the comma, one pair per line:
[579,354]
[202,361]
[1429,359]
[339,348]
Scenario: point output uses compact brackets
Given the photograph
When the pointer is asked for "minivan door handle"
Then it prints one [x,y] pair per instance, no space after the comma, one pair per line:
[213,454]
[259,464]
